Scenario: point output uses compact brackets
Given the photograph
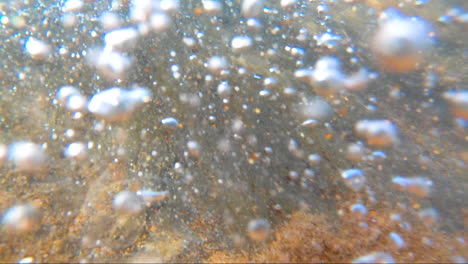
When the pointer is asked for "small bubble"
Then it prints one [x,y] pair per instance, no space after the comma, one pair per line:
[127,203]
[354,179]
[258,229]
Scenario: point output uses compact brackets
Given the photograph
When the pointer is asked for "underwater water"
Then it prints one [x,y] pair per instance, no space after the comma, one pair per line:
[234,131]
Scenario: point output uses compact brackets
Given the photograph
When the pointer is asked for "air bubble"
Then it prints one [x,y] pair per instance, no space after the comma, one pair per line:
[354,179]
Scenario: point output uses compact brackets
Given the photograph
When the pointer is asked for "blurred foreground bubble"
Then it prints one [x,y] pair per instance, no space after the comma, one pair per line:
[252,8]
[21,219]
[375,257]
[258,229]
[37,49]
[459,102]
[378,133]
[401,42]
[27,157]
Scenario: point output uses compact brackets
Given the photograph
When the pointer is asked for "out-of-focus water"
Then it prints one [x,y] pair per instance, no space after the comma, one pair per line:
[223,131]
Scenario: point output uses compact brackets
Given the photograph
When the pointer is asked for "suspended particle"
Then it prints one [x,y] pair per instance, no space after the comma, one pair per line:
[354,179]
[258,229]
[21,219]
[110,63]
[127,203]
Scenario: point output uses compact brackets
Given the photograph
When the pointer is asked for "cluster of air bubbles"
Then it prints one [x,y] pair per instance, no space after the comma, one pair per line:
[327,79]
[455,14]
[111,64]
[420,186]
[117,103]
[71,98]
[328,40]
